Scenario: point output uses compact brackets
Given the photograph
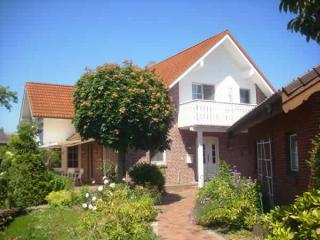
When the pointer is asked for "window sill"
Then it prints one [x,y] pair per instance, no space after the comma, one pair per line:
[160,164]
[294,173]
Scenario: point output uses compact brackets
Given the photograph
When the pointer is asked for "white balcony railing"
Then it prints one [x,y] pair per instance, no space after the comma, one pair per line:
[210,113]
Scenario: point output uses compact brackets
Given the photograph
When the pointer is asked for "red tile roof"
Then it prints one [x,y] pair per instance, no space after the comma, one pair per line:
[171,68]
[56,101]
[50,100]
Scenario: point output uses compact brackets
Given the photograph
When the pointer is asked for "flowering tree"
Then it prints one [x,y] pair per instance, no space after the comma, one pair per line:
[123,107]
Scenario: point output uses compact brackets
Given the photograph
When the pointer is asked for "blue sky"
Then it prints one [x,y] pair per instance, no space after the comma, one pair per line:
[53,41]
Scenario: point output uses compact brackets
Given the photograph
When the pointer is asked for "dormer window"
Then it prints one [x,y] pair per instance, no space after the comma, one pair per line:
[244,95]
[202,91]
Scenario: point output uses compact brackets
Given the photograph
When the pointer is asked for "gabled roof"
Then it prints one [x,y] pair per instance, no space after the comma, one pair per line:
[299,90]
[302,81]
[171,68]
[50,100]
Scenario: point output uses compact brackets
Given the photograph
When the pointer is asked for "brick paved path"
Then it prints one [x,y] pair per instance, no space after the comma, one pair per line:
[174,220]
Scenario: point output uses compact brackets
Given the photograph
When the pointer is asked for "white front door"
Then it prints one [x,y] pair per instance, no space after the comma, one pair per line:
[210,156]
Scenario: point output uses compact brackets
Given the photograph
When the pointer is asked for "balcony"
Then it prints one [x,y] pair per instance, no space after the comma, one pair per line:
[211,113]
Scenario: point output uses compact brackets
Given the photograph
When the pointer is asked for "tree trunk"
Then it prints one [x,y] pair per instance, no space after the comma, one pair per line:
[121,169]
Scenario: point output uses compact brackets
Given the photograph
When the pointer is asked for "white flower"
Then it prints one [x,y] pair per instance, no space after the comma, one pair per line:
[106,181]
[104,177]
[93,182]
[112,185]
[90,206]
[124,179]
[87,195]
[84,205]
[94,198]
[94,208]
[100,188]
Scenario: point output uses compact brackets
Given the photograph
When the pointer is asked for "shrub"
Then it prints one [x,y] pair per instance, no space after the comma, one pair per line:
[80,197]
[3,188]
[61,198]
[27,173]
[119,213]
[227,200]
[147,175]
[109,170]
[57,182]
[301,220]
[314,163]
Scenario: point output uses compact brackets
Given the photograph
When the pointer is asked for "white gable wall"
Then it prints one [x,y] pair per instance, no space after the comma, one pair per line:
[221,69]
[56,130]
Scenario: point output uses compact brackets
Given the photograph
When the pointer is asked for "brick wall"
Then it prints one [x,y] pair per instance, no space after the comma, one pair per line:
[176,170]
[97,156]
[259,95]
[305,122]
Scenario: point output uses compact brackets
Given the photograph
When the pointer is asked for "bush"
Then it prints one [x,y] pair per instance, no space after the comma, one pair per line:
[27,173]
[227,200]
[301,220]
[119,213]
[147,175]
[57,182]
[3,189]
[61,198]
[314,163]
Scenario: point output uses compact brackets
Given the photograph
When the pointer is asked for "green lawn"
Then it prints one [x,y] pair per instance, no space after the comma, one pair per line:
[51,223]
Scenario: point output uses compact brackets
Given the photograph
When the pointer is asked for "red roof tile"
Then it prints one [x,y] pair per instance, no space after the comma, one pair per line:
[171,68]
[50,100]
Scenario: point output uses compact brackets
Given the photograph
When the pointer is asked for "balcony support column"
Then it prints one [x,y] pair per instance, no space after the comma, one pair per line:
[200,159]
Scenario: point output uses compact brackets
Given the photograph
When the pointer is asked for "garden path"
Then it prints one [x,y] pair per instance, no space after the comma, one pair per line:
[175,217]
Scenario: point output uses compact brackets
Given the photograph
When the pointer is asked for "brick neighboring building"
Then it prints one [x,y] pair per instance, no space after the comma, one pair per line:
[291,115]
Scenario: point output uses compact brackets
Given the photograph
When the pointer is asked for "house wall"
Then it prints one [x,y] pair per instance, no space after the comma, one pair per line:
[220,69]
[233,150]
[97,162]
[305,122]
[56,130]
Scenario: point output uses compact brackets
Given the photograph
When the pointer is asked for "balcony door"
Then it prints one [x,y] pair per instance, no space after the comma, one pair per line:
[210,156]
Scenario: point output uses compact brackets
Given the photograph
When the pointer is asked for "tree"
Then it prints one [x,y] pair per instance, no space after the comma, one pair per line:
[27,173]
[123,107]
[6,97]
[307,21]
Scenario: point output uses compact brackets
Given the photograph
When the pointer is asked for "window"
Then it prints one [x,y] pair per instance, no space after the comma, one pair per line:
[157,157]
[214,153]
[293,148]
[196,91]
[244,96]
[202,91]
[73,157]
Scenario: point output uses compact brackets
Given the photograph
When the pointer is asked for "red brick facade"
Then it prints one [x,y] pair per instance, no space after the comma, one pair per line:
[305,122]
[234,150]
[260,95]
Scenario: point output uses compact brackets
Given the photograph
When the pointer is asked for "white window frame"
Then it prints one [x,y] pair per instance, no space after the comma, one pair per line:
[295,153]
[249,95]
[159,163]
[198,85]
[202,93]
